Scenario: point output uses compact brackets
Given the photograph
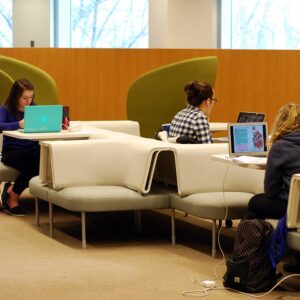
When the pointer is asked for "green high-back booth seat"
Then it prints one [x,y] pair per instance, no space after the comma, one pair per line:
[12,69]
[155,97]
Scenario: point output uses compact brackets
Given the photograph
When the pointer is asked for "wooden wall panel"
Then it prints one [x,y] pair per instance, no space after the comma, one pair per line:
[94,82]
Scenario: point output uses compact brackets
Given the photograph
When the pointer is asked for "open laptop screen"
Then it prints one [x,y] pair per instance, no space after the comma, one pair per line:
[42,118]
[247,139]
[245,117]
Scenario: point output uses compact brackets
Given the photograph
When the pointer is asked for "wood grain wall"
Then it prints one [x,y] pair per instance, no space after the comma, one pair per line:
[94,82]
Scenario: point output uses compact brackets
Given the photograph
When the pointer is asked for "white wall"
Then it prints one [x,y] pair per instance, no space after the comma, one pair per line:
[31,21]
[183,24]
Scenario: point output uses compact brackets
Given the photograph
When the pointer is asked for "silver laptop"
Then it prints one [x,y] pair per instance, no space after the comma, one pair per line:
[247,139]
[245,117]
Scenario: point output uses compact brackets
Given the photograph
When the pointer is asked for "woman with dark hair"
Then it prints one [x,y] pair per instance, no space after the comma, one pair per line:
[23,155]
[192,122]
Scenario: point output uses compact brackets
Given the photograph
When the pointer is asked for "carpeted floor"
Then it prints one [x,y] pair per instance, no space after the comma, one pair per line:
[117,264]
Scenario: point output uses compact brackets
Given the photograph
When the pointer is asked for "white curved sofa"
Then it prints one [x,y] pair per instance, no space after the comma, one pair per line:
[114,171]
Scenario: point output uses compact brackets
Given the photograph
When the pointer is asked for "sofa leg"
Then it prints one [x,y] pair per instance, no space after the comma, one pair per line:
[83,229]
[173,226]
[51,219]
[138,221]
[214,238]
[37,212]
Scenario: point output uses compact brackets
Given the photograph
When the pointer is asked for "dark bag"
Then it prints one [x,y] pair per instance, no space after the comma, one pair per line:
[249,268]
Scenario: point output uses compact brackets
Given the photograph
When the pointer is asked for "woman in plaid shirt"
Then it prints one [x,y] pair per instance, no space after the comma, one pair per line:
[192,121]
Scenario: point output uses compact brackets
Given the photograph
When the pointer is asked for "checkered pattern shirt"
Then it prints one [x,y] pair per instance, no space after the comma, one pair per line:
[193,123]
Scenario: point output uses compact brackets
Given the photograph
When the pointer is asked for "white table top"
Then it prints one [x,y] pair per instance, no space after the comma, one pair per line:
[217,126]
[242,161]
[64,134]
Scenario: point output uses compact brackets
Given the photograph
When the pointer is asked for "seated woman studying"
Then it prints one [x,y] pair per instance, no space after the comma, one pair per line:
[283,162]
[23,155]
[192,122]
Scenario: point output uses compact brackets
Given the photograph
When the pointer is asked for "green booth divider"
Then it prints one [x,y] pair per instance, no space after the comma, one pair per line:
[155,97]
[12,69]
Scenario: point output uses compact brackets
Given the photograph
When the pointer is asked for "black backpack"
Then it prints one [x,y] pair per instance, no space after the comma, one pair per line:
[249,268]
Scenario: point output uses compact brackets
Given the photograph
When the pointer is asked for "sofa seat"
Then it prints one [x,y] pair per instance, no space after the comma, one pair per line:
[212,205]
[106,198]
[8,173]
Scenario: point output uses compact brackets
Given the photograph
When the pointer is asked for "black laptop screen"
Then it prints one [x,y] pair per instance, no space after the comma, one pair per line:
[245,117]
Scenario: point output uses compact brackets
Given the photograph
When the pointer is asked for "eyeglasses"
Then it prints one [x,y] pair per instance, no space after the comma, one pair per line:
[213,100]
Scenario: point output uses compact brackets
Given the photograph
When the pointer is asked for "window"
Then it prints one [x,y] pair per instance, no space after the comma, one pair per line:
[257,24]
[6,23]
[101,23]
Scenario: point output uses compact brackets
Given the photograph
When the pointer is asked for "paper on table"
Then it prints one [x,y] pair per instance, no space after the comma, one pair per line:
[250,160]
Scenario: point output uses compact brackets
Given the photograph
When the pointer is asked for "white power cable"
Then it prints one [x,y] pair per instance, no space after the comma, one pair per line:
[204,292]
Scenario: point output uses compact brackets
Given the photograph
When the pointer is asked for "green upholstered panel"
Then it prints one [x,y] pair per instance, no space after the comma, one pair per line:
[45,87]
[5,83]
[155,97]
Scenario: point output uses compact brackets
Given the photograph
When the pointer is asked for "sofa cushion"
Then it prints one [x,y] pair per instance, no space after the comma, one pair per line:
[212,205]
[106,198]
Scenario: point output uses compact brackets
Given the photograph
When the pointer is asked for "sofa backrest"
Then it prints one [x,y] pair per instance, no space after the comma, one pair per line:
[197,172]
[125,126]
[106,161]
[244,180]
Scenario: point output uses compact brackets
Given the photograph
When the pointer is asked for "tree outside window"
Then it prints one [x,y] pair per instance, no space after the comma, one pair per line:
[260,24]
[109,23]
[6,23]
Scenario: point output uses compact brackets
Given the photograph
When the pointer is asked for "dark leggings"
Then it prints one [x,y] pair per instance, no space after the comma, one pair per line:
[261,206]
[27,161]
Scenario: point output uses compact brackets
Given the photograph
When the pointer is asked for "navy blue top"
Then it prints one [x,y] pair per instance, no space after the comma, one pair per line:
[9,122]
[283,162]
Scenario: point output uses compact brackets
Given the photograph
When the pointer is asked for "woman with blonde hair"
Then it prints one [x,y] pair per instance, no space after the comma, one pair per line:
[283,162]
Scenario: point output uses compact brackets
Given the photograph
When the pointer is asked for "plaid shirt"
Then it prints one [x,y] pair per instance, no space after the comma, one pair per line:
[193,123]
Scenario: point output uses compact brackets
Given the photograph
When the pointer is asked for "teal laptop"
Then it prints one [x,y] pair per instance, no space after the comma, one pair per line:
[42,118]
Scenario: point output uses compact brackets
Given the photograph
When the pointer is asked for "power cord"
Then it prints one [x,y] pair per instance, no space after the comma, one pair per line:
[210,285]
[204,292]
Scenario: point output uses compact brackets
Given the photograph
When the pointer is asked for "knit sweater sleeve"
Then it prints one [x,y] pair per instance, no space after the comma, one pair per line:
[7,120]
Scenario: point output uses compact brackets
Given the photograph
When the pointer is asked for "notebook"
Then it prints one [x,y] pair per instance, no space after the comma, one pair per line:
[42,118]
[247,139]
[245,117]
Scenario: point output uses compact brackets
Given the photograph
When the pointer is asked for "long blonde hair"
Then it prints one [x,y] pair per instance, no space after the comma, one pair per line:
[286,121]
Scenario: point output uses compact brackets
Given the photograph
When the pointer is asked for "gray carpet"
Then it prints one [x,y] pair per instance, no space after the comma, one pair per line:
[117,264]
